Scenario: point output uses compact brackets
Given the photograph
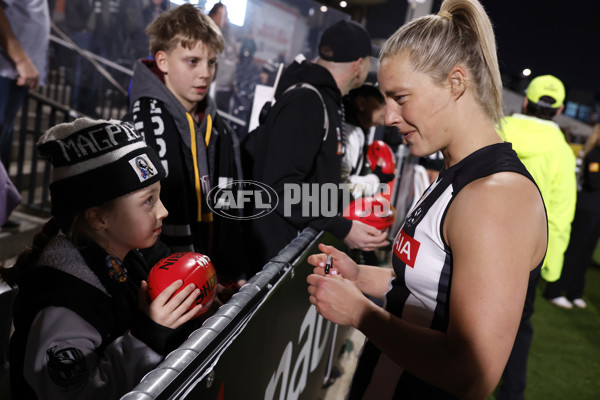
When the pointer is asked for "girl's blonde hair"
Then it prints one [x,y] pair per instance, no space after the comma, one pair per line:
[460,34]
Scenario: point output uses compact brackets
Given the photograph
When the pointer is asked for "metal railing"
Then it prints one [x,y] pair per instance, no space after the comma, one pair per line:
[108,102]
[253,326]
[32,177]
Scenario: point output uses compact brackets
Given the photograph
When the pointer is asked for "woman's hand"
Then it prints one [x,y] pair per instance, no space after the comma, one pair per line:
[337,299]
[341,264]
[168,310]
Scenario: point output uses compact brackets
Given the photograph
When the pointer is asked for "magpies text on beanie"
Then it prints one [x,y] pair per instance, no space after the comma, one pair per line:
[95,161]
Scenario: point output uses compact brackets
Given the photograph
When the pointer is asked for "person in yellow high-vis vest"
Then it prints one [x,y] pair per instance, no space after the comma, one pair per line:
[541,146]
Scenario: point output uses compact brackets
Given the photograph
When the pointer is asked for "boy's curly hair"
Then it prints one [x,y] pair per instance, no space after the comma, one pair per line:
[186,25]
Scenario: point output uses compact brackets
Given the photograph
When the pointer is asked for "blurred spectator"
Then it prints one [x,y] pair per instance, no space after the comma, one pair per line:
[150,12]
[24,36]
[248,47]
[9,196]
[131,14]
[107,25]
[78,23]
[153,10]
[268,72]
[247,76]
[224,80]
[364,109]
[585,231]
[541,146]
[106,28]
[303,139]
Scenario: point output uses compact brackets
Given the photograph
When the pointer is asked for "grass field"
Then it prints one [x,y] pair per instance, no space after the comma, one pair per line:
[564,362]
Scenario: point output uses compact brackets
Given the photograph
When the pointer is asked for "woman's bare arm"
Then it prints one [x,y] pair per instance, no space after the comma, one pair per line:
[369,279]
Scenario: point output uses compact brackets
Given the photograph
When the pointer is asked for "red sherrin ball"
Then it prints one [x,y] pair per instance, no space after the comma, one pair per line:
[191,268]
[375,211]
[380,154]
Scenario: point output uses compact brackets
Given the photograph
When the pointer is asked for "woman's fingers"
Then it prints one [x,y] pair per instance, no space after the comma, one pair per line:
[319,260]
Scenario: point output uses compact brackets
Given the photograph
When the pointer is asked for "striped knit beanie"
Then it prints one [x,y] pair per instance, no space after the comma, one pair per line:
[95,161]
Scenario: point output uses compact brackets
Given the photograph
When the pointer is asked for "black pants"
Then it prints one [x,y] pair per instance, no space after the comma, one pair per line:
[585,232]
[515,372]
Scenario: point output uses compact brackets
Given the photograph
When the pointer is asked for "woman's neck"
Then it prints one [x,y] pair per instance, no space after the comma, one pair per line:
[471,129]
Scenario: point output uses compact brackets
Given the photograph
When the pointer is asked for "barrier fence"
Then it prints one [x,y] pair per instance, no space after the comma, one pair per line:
[266,342]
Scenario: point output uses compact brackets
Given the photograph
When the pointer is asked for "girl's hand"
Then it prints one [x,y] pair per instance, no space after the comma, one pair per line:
[168,310]
[342,264]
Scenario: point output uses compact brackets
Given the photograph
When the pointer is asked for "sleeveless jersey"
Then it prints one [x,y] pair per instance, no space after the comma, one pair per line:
[422,262]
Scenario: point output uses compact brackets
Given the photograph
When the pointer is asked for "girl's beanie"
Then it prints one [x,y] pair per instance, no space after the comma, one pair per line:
[95,161]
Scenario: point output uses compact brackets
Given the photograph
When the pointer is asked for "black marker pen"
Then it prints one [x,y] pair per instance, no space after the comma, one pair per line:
[328,264]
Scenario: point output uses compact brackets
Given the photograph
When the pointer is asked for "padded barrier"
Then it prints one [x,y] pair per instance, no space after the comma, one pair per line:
[267,341]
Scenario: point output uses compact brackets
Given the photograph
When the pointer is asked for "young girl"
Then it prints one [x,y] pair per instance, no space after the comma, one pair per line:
[461,261]
[83,325]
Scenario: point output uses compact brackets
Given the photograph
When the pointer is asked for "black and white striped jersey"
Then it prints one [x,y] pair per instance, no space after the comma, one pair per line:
[422,262]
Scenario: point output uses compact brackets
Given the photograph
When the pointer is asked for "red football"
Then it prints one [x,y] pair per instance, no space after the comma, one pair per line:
[192,268]
[375,211]
[380,154]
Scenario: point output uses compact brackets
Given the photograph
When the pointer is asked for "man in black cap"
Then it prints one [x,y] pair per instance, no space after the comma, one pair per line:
[304,143]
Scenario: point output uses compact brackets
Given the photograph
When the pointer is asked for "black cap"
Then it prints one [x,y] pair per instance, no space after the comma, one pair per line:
[345,41]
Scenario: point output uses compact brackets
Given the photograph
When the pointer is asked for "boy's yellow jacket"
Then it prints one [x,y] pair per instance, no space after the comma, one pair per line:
[542,148]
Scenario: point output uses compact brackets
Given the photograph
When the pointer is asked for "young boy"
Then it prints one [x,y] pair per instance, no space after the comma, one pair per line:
[171,108]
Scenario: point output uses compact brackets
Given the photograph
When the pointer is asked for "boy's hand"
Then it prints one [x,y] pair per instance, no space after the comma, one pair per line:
[365,237]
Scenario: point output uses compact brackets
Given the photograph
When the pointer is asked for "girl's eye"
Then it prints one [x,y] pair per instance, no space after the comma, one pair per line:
[192,62]
[150,200]
[399,98]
